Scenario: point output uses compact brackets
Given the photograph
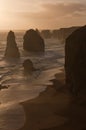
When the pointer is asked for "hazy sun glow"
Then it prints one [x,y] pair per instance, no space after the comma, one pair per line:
[23,14]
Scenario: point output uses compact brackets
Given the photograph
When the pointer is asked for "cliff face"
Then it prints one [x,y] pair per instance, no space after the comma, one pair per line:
[63,33]
[75,59]
[33,41]
[60,34]
[11,48]
[46,34]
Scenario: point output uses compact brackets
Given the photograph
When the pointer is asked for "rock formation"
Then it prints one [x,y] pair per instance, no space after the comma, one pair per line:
[75,60]
[33,41]
[63,33]
[46,34]
[11,48]
[28,66]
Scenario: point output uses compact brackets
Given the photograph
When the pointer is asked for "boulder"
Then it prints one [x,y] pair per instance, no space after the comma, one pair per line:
[11,48]
[28,66]
[33,41]
[75,60]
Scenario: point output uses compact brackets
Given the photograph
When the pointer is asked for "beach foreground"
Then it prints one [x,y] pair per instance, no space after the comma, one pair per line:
[55,109]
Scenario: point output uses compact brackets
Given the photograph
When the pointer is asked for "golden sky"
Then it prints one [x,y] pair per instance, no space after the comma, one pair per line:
[41,14]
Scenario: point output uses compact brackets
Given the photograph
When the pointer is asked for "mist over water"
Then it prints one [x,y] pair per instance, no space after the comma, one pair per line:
[22,88]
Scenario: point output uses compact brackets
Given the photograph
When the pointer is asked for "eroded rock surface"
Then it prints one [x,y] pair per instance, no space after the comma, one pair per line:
[11,48]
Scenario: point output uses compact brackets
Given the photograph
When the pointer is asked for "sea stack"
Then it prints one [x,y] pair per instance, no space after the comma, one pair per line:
[28,66]
[33,42]
[11,48]
[75,60]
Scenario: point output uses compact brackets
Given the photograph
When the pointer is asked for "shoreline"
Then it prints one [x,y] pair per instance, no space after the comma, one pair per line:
[53,109]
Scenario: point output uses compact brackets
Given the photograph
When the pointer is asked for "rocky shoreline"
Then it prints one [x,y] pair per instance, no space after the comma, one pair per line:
[55,108]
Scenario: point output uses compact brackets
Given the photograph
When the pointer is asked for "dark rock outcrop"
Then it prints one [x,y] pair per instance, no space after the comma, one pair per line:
[28,66]
[33,41]
[11,48]
[75,60]
[3,87]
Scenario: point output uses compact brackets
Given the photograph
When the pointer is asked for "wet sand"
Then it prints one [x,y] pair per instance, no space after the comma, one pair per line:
[55,109]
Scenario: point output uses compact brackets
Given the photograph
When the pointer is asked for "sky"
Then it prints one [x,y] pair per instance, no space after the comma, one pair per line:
[41,14]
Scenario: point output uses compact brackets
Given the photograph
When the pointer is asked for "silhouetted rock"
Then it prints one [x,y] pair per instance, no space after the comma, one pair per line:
[11,48]
[28,66]
[75,60]
[33,41]
[3,86]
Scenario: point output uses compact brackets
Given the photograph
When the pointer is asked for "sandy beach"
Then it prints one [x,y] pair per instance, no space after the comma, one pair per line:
[55,109]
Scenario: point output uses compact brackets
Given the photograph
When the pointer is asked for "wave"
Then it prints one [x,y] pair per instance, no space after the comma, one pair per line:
[21,87]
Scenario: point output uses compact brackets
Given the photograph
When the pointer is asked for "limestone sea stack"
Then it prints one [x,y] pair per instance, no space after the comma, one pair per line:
[33,42]
[75,60]
[28,66]
[11,48]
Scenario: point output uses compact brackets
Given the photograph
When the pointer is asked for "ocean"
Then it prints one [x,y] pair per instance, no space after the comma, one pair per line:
[20,87]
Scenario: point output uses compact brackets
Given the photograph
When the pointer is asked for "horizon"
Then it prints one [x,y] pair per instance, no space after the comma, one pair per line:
[21,15]
[17,30]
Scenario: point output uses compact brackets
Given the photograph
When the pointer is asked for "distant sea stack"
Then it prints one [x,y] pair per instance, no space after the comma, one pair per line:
[28,66]
[46,34]
[11,48]
[33,42]
[75,59]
